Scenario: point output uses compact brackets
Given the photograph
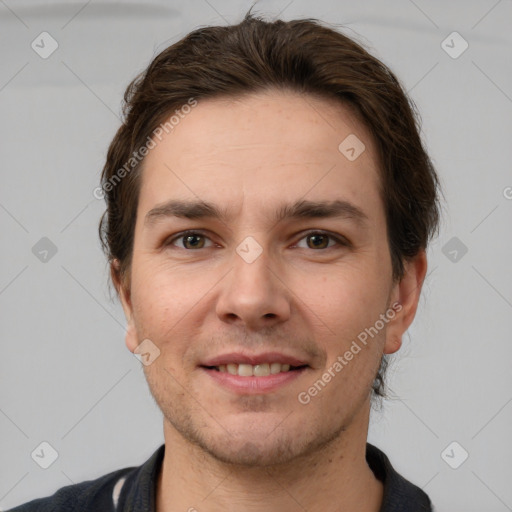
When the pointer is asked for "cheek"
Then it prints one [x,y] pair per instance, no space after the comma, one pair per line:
[348,295]
[161,289]
[162,302]
[348,302]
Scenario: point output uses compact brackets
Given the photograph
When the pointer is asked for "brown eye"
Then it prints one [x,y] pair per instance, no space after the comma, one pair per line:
[193,241]
[320,240]
[190,241]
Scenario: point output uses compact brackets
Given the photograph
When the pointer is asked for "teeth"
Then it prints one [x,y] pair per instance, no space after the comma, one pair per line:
[245,370]
[275,368]
[257,370]
[261,370]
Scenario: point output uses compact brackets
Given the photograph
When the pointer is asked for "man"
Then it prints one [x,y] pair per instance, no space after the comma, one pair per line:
[269,203]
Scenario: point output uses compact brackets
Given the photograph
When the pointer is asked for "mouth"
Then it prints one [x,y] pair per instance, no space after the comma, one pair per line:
[256,370]
[245,374]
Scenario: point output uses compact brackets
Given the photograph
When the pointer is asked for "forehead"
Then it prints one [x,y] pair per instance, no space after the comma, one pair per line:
[261,148]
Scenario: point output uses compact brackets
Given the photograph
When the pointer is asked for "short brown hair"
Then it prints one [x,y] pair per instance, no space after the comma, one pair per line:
[303,56]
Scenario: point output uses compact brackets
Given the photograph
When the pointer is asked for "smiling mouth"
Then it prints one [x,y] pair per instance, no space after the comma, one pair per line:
[257,370]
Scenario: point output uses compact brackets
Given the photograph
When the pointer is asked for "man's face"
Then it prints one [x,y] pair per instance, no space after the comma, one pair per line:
[248,284]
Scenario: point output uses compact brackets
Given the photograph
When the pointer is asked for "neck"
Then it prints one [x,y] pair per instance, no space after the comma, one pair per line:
[336,477]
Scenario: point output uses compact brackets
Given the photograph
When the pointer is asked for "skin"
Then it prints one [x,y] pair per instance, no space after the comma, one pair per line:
[267,452]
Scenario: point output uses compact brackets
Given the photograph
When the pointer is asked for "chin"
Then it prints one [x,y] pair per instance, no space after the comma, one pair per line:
[258,439]
[250,431]
[248,451]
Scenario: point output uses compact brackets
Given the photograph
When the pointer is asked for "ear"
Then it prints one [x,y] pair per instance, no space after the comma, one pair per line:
[405,296]
[124,293]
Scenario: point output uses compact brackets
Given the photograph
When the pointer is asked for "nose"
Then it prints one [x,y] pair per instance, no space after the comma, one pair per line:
[253,295]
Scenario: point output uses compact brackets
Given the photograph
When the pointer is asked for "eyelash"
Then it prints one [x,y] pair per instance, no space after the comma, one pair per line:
[340,241]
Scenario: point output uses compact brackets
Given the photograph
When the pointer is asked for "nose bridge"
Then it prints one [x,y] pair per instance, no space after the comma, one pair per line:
[252,265]
[253,294]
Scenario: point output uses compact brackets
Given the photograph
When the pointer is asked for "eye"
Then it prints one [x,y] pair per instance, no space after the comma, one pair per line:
[320,240]
[190,240]
[314,240]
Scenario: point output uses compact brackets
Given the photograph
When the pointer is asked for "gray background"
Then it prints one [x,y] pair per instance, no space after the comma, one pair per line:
[66,375]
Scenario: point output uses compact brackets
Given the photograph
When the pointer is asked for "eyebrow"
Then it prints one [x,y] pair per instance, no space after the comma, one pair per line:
[298,210]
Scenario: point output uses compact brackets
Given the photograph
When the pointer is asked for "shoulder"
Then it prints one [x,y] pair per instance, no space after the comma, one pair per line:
[91,495]
[118,490]
[399,493]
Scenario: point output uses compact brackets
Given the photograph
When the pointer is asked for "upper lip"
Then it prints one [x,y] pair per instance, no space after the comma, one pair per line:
[253,359]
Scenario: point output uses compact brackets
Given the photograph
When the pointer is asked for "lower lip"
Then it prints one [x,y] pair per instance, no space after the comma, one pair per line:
[254,385]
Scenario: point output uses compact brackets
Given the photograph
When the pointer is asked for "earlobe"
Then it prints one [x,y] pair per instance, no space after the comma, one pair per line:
[393,344]
[121,288]
[131,339]
[407,293]
[124,294]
